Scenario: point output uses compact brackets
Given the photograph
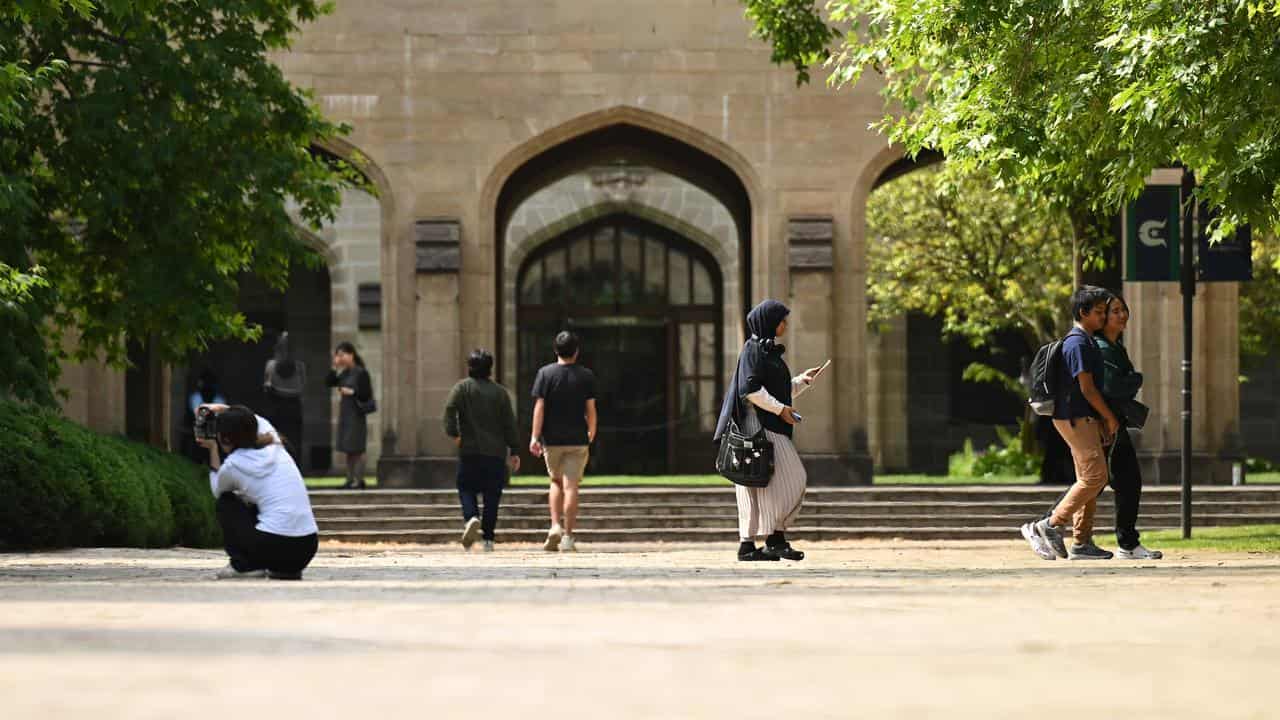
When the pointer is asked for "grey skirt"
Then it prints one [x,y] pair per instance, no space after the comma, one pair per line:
[764,511]
[353,428]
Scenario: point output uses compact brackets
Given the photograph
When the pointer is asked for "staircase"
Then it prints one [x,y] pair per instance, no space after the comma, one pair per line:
[646,514]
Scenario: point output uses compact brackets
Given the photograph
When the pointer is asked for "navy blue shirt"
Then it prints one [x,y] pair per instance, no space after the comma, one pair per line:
[1080,354]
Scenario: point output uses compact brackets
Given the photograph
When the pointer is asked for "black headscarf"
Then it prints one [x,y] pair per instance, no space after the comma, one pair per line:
[760,365]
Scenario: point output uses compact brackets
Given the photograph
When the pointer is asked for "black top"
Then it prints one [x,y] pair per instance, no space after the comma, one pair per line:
[760,365]
[356,378]
[565,390]
[1080,354]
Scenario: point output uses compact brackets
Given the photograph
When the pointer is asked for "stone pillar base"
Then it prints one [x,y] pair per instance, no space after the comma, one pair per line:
[1165,468]
[828,470]
[420,472]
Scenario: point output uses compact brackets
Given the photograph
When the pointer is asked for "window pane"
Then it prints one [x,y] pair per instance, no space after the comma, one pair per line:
[688,408]
[710,406]
[703,292]
[655,269]
[707,350]
[531,292]
[580,271]
[603,268]
[679,294]
[688,349]
[553,277]
[632,288]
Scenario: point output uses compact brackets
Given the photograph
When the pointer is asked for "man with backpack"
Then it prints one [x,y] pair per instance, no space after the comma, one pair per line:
[1072,376]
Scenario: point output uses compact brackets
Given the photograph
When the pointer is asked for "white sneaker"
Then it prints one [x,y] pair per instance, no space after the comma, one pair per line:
[230,573]
[470,533]
[568,545]
[488,546]
[1038,544]
[552,543]
[1139,553]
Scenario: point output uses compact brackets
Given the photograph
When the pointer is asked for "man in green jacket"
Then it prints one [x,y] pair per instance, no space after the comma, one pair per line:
[479,417]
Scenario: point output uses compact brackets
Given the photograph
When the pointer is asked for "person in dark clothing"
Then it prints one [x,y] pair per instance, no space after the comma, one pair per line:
[760,395]
[479,417]
[283,382]
[1055,462]
[1086,422]
[1121,383]
[206,392]
[564,426]
[351,379]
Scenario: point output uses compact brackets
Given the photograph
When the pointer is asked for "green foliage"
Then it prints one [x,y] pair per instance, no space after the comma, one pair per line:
[1260,303]
[65,486]
[1074,100]
[27,368]
[966,250]
[796,33]
[1006,459]
[150,150]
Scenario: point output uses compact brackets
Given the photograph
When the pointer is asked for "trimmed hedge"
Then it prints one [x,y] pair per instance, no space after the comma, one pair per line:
[63,485]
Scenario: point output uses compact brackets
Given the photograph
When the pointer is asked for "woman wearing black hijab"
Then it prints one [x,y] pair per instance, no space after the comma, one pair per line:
[760,395]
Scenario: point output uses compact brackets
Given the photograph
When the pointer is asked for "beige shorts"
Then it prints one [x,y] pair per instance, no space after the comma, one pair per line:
[567,461]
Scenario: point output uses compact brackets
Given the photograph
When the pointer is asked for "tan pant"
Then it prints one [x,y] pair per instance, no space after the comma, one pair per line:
[567,461]
[1085,438]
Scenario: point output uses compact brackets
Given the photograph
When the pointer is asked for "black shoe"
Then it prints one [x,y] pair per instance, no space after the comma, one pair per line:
[756,555]
[283,575]
[784,552]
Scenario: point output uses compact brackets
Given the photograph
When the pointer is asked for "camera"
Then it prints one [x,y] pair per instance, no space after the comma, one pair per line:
[206,424]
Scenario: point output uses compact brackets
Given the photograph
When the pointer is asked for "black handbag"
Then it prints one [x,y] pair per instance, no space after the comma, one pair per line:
[366,407]
[1133,412]
[745,460]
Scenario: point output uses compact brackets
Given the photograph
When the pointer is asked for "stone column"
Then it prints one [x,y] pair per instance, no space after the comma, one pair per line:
[438,335]
[887,435]
[1154,341]
[820,331]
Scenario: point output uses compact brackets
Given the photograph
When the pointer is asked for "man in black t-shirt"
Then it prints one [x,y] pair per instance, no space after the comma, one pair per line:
[564,425]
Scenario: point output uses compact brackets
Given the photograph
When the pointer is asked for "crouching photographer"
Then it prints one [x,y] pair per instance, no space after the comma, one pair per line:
[263,506]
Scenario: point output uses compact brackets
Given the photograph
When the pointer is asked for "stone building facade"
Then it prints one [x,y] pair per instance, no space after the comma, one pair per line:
[646,150]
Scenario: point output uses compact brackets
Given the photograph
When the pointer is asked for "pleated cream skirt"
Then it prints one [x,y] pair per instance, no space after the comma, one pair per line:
[763,511]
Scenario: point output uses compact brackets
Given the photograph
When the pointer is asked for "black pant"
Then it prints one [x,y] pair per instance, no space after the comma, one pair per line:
[1125,478]
[481,475]
[252,549]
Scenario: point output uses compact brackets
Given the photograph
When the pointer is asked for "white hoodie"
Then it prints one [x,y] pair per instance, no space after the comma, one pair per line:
[268,478]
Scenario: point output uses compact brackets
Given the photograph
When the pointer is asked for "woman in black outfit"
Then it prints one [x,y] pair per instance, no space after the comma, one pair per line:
[352,380]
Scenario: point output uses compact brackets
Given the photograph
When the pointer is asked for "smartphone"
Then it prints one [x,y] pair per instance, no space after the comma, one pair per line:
[824,366]
[798,417]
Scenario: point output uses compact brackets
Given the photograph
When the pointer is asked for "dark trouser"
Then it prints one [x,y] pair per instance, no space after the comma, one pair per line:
[481,475]
[1125,479]
[252,549]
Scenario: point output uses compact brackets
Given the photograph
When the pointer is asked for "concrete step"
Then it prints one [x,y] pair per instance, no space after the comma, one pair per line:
[982,494]
[659,523]
[962,508]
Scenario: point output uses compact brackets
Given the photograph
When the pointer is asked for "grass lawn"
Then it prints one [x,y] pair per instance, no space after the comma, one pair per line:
[1242,538]
[317,483]
[1266,478]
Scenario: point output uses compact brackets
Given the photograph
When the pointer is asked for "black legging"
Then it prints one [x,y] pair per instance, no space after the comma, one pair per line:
[252,549]
[1125,478]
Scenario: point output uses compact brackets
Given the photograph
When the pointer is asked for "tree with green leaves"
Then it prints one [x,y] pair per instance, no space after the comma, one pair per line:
[1260,304]
[983,260]
[152,158]
[1074,101]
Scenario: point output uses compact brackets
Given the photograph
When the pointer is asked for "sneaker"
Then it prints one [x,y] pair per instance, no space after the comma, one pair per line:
[1139,553]
[1089,551]
[568,545]
[230,573]
[488,546]
[470,533]
[552,543]
[1051,536]
[1038,544]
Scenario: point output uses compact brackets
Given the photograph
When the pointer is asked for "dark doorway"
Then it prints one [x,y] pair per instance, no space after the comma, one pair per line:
[647,304]
[305,311]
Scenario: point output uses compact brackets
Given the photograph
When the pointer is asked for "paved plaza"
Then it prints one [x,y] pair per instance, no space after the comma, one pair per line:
[860,629]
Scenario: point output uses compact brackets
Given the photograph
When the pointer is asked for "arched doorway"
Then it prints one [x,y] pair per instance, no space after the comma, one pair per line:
[647,303]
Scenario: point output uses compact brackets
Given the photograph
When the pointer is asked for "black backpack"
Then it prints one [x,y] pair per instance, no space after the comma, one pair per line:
[1044,377]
